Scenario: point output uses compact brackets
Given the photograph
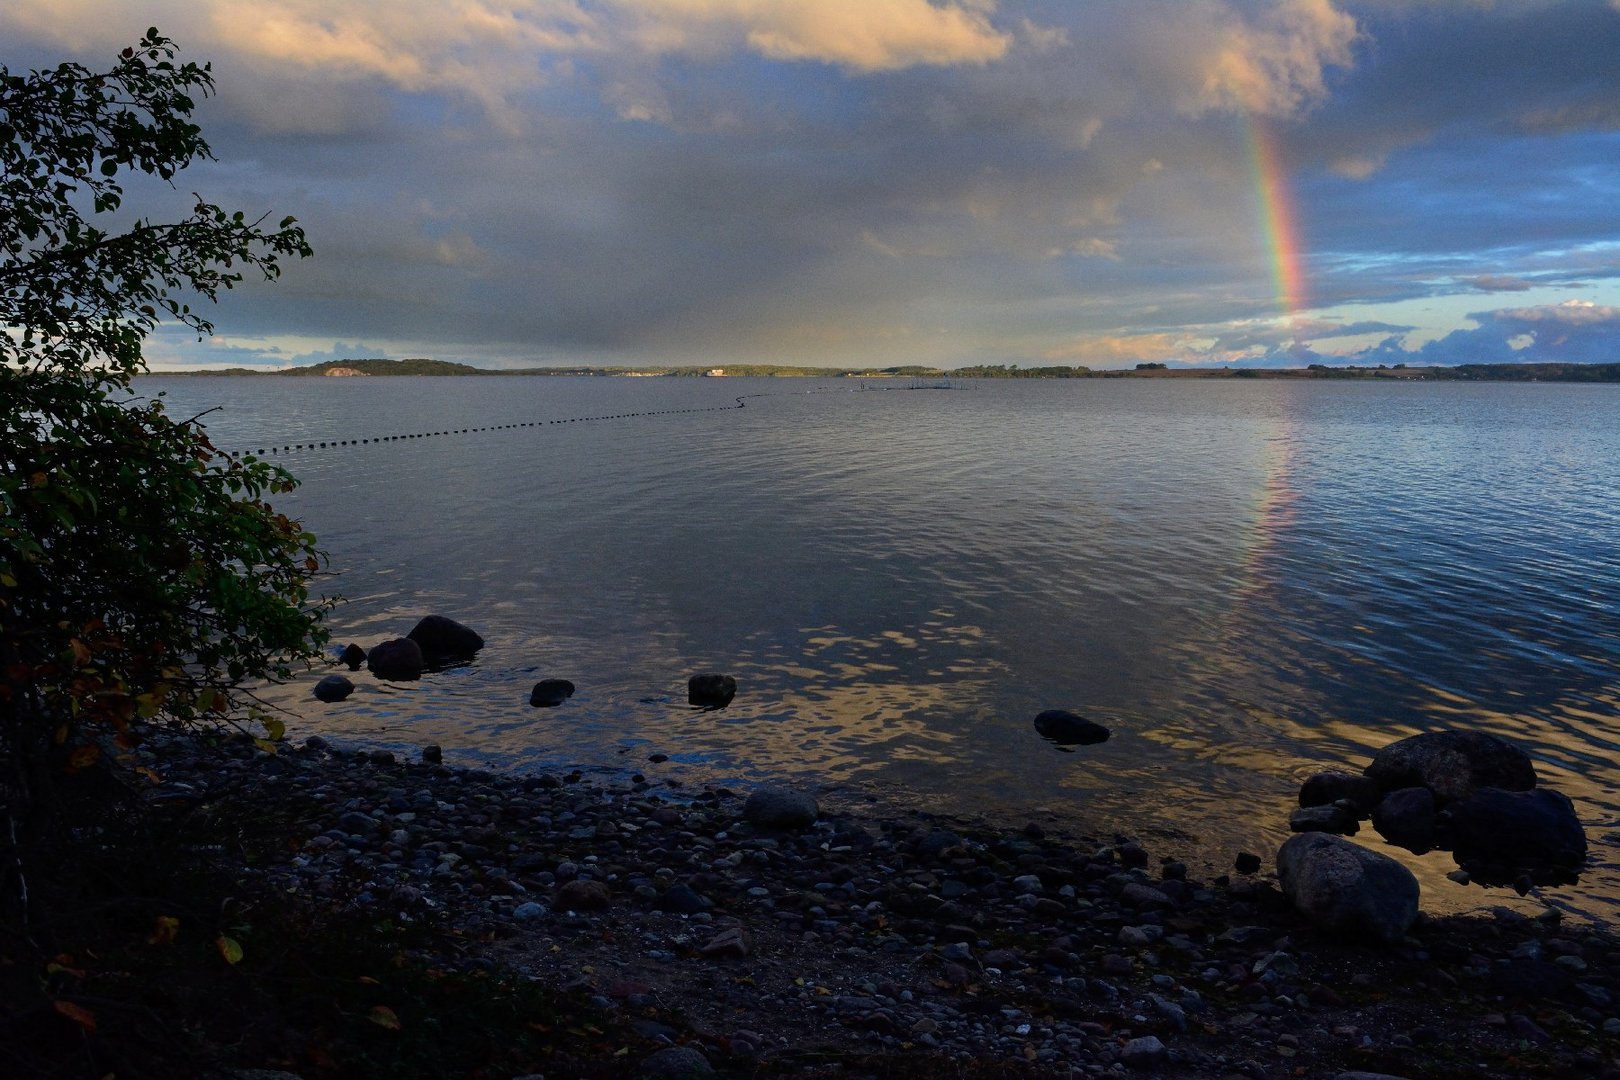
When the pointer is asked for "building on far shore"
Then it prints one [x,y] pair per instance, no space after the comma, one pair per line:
[344,372]
[715,373]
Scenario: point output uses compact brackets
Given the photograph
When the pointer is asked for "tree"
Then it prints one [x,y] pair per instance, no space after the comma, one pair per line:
[143,576]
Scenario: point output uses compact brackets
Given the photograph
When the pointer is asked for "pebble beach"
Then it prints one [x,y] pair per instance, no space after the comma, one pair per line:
[754,933]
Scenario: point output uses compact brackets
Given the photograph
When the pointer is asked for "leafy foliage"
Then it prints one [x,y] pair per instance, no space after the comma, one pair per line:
[143,576]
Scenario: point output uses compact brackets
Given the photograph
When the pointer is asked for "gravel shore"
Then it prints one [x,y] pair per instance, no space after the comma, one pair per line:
[831,947]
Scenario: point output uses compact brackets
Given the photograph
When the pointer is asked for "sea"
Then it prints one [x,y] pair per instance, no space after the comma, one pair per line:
[1247,581]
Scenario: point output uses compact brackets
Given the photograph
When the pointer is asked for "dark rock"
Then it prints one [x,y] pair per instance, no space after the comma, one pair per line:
[432,754]
[1340,818]
[1067,729]
[1528,980]
[1346,889]
[780,808]
[333,688]
[1246,863]
[1406,819]
[730,942]
[1331,786]
[580,895]
[354,656]
[1519,829]
[675,1063]
[1144,1053]
[548,693]
[711,691]
[443,638]
[1452,764]
[357,823]
[685,900]
[399,659]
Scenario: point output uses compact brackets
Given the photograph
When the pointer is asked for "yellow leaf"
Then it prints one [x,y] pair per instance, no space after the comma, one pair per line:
[79,1015]
[83,758]
[383,1016]
[166,929]
[266,745]
[274,728]
[229,948]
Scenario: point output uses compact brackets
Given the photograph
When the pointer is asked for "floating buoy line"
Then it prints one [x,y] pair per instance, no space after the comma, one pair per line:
[329,444]
[288,448]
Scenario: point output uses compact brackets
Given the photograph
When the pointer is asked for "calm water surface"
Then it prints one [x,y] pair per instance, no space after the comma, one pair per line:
[1248,581]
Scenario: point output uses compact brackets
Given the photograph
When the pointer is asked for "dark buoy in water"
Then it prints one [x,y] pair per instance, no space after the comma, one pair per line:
[1067,729]
[549,693]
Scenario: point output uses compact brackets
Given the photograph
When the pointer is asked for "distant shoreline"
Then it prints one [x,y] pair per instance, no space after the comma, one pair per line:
[1578,373]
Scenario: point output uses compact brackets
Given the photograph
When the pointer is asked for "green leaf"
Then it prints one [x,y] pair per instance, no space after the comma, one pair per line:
[229,948]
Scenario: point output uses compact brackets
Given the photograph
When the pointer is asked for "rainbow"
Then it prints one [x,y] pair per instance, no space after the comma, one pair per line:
[1278,220]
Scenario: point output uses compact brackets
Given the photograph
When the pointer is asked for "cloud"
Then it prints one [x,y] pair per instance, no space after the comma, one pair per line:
[864,37]
[1499,283]
[1275,64]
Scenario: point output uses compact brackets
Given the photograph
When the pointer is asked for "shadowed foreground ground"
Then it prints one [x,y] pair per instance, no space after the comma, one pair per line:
[325,913]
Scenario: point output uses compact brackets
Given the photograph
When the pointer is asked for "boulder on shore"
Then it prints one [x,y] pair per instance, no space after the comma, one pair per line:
[1501,830]
[1406,818]
[1069,729]
[711,691]
[399,660]
[443,638]
[1452,764]
[354,656]
[780,808]
[1346,889]
[549,693]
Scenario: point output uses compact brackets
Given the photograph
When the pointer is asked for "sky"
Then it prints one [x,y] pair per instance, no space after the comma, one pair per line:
[871,183]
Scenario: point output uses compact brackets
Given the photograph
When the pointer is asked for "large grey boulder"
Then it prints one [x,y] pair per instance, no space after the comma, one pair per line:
[780,808]
[398,660]
[1452,764]
[1346,889]
[1523,830]
[442,638]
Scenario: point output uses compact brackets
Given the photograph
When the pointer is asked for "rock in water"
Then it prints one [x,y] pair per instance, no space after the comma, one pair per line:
[1067,729]
[1339,817]
[780,808]
[1406,819]
[1452,764]
[1526,830]
[711,691]
[1331,786]
[399,660]
[549,693]
[1346,889]
[443,638]
[354,656]
[333,688]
